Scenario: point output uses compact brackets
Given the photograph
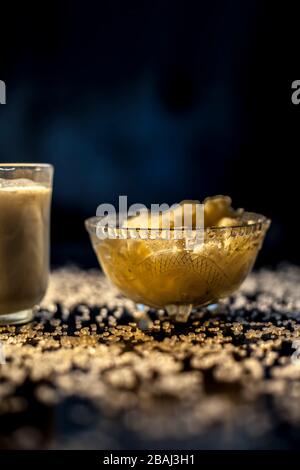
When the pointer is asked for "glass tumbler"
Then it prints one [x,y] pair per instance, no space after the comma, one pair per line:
[25,200]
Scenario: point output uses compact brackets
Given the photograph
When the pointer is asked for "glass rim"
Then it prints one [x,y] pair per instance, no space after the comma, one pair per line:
[261,220]
[26,165]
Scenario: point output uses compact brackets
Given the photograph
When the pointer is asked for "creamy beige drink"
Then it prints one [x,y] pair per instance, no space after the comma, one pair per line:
[24,244]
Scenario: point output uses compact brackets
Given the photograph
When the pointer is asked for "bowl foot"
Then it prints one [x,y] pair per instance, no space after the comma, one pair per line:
[179,312]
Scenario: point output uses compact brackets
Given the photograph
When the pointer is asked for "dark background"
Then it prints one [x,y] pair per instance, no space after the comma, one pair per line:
[159,100]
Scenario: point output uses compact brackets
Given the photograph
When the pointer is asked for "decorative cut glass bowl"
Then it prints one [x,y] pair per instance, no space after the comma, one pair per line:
[175,275]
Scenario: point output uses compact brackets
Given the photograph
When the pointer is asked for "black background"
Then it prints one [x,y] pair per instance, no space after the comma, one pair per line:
[159,100]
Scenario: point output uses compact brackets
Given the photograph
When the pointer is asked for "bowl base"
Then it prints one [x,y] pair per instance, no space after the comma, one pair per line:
[179,312]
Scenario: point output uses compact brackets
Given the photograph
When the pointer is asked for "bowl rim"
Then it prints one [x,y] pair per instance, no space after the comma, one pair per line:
[259,221]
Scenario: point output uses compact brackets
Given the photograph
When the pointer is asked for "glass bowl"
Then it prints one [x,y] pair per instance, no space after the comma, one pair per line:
[175,275]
